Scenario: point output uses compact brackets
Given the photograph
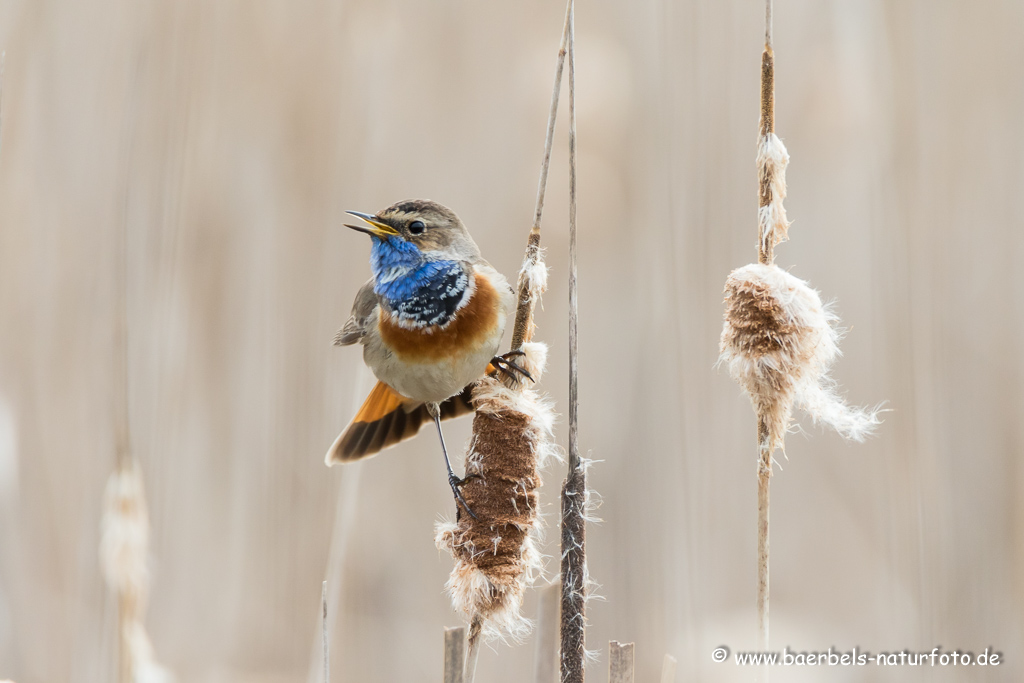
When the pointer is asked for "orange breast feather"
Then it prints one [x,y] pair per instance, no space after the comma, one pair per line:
[472,325]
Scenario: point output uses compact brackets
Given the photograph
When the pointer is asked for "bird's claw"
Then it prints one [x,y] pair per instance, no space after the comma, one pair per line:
[510,367]
[455,482]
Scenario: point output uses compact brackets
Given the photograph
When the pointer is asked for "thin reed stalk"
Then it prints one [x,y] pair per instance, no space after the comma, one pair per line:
[347,500]
[124,541]
[523,327]
[574,490]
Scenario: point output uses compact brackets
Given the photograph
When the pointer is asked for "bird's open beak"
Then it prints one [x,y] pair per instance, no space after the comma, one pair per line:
[377,228]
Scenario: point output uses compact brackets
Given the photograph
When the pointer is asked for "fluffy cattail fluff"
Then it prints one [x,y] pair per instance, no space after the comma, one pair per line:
[772,159]
[779,342]
[124,556]
[496,555]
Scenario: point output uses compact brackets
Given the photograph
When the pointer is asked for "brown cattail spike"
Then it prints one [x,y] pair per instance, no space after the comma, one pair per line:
[495,554]
[772,159]
[767,93]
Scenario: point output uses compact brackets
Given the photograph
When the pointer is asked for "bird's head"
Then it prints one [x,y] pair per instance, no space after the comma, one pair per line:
[434,230]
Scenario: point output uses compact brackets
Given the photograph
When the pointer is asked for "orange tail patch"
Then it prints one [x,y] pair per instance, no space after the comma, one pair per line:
[387,418]
[381,401]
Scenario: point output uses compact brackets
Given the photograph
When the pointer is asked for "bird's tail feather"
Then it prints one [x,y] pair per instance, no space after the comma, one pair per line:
[387,418]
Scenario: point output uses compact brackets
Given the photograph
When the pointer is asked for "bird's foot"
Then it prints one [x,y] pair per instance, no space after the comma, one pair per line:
[505,364]
[456,483]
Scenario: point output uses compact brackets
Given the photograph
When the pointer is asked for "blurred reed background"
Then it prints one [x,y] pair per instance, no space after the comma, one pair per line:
[230,136]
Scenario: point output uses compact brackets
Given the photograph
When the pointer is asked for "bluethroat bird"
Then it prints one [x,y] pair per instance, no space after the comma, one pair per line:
[430,320]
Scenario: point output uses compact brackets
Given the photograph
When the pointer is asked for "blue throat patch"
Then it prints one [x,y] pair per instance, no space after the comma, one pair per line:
[417,289]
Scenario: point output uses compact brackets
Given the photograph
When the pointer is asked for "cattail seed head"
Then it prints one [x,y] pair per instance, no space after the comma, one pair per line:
[124,545]
[496,555]
[779,342]
[124,557]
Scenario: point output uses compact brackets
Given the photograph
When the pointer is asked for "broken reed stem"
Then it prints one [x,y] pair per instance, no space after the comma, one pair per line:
[766,255]
[473,647]
[546,652]
[454,654]
[620,662]
[574,490]
[522,329]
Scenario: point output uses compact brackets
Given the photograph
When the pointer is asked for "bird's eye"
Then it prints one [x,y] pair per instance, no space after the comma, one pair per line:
[417,227]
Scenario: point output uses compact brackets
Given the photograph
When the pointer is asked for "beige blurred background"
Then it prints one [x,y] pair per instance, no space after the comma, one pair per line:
[230,136]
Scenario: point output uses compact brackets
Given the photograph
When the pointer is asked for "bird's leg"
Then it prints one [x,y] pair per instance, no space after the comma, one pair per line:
[505,364]
[453,480]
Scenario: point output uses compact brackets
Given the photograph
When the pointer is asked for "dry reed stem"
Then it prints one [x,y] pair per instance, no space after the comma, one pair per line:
[533,275]
[454,654]
[668,669]
[546,651]
[575,577]
[620,662]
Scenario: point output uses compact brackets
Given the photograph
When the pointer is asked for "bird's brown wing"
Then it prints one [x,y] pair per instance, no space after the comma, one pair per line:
[387,418]
[362,308]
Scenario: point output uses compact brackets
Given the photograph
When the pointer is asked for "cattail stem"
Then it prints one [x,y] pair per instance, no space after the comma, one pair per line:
[574,490]
[764,473]
[766,255]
